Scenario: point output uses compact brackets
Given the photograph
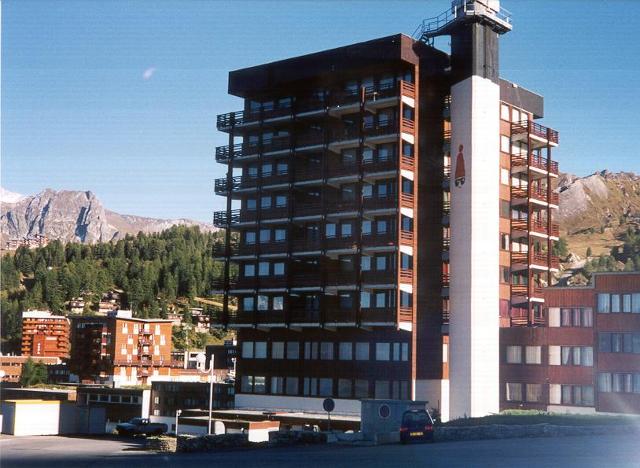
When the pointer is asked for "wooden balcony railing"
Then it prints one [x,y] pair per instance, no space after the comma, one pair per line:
[405,314]
[406,236]
[406,199]
[407,89]
[536,161]
[382,315]
[534,128]
[406,276]
[408,126]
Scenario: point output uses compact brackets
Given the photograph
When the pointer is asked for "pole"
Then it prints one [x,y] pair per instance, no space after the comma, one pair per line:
[210,392]
[178,412]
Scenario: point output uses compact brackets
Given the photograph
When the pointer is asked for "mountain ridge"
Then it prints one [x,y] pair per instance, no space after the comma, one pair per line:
[75,216]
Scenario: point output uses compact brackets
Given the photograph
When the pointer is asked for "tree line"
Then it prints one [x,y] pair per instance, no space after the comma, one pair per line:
[152,270]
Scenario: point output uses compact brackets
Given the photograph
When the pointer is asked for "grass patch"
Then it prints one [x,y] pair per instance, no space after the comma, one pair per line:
[525,417]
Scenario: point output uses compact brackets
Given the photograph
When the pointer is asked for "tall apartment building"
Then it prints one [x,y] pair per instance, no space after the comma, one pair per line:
[120,349]
[44,334]
[369,190]
[586,356]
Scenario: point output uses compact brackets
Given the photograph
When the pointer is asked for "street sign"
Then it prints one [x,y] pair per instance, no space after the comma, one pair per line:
[329,405]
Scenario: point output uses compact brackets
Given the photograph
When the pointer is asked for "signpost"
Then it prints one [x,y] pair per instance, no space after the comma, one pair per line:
[178,413]
[328,405]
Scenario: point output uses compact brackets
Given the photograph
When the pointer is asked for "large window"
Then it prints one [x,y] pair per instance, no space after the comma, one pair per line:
[575,355]
[277,350]
[382,352]
[514,392]
[604,303]
[533,393]
[326,350]
[533,355]
[619,382]
[362,351]
[293,350]
[345,351]
[619,342]
[514,354]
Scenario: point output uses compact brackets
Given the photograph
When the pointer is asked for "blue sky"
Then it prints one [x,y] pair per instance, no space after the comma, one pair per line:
[79,112]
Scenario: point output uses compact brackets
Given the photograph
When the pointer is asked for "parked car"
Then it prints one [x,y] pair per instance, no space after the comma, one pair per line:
[416,425]
[140,426]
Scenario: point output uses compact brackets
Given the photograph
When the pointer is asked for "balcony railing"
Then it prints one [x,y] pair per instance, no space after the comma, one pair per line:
[379,240]
[539,258]
[306,245]
[379,277]
[381,315]
[523,290]
[340,242]
[376,203]
[539,227]
[536,161]
[379,166]
[446,280]
[534,193]
[534,128]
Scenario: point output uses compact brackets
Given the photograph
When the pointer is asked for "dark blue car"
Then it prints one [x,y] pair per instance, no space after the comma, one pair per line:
[417,425]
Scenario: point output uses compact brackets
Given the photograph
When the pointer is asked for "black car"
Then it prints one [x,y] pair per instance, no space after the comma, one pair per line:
[140,426]
[416,425]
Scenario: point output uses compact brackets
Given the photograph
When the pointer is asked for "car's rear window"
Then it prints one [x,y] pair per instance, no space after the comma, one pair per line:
[416,417]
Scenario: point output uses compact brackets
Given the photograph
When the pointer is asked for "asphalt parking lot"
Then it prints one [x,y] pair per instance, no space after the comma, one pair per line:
[591,451]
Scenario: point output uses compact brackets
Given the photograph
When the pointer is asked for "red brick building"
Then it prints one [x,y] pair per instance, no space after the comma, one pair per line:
[586,355]
[120,349]
[44,334]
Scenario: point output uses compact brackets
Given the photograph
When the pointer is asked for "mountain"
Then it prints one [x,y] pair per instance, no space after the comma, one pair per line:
[75,216]
[596,210]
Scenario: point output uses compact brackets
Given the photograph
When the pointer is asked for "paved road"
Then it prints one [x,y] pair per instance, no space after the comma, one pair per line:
[592,451]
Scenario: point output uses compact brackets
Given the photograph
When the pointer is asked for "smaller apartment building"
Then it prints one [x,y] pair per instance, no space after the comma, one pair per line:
[120,349]
[586,356]
[44,334]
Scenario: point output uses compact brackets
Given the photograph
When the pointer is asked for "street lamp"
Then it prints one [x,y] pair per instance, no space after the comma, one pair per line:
[178,413]
[201,360]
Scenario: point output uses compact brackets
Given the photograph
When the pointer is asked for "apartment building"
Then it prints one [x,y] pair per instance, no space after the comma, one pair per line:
[585,357]
[11,366]
[387,198]
[45,334]
[120,349]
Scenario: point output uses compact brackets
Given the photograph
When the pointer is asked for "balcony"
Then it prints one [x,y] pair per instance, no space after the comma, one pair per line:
[537,134]
[308,174]
[371,241]
[533,194]
[341,278]
[376,203]
[380,277]
[222,185]
[225,153]
[370,167]
[306,280]
[533,161]
[534,259]
[302,315]
[241,119]
[522,227]
[340,243]
[306,245]
[378,315]
[522,290]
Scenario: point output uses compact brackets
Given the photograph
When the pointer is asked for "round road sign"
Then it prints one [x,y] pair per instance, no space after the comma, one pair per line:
[329,405]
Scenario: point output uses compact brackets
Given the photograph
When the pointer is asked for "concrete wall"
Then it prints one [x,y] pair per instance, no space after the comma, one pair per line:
[274,402]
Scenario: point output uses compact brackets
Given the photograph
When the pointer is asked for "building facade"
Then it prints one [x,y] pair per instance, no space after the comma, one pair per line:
[120,349]
[387,198]
[586,355]
[11,366]
[44,334]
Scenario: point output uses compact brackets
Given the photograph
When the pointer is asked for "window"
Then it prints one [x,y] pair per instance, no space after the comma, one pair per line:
[311,350]
[514,392]
[260,351]
[604,303]
[615,303]
[505,144]
[381,263]
[533,355]
[504,112]
[281,201]
[534,392]
[249,270]
[406,299]
[277,350]
[367,190]
[504,241]
[362,351]
[505,209]
[265,235]
[247,349]
[381,226]
[626,303]
[263,302]
[366,229]
[265,202]
[278,268]
[515,115]
[345,351]
[263,269]
[505,274]
[365,299]
[382,352]
[247,303]
[291,386]
[259,384]
[635,303]
[277,385]
[280,235]
[345,229]
[246,384]
[251,204]
[330,230]
[293,350]
[381,390]
[361,388]
[278,302]
[346,301]
[250,237]
[514,354]
[381,300]
[325,387]
[573,355]
[344,388]
[326,350]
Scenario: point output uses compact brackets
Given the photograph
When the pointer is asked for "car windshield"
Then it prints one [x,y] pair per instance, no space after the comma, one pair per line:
[416,418]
